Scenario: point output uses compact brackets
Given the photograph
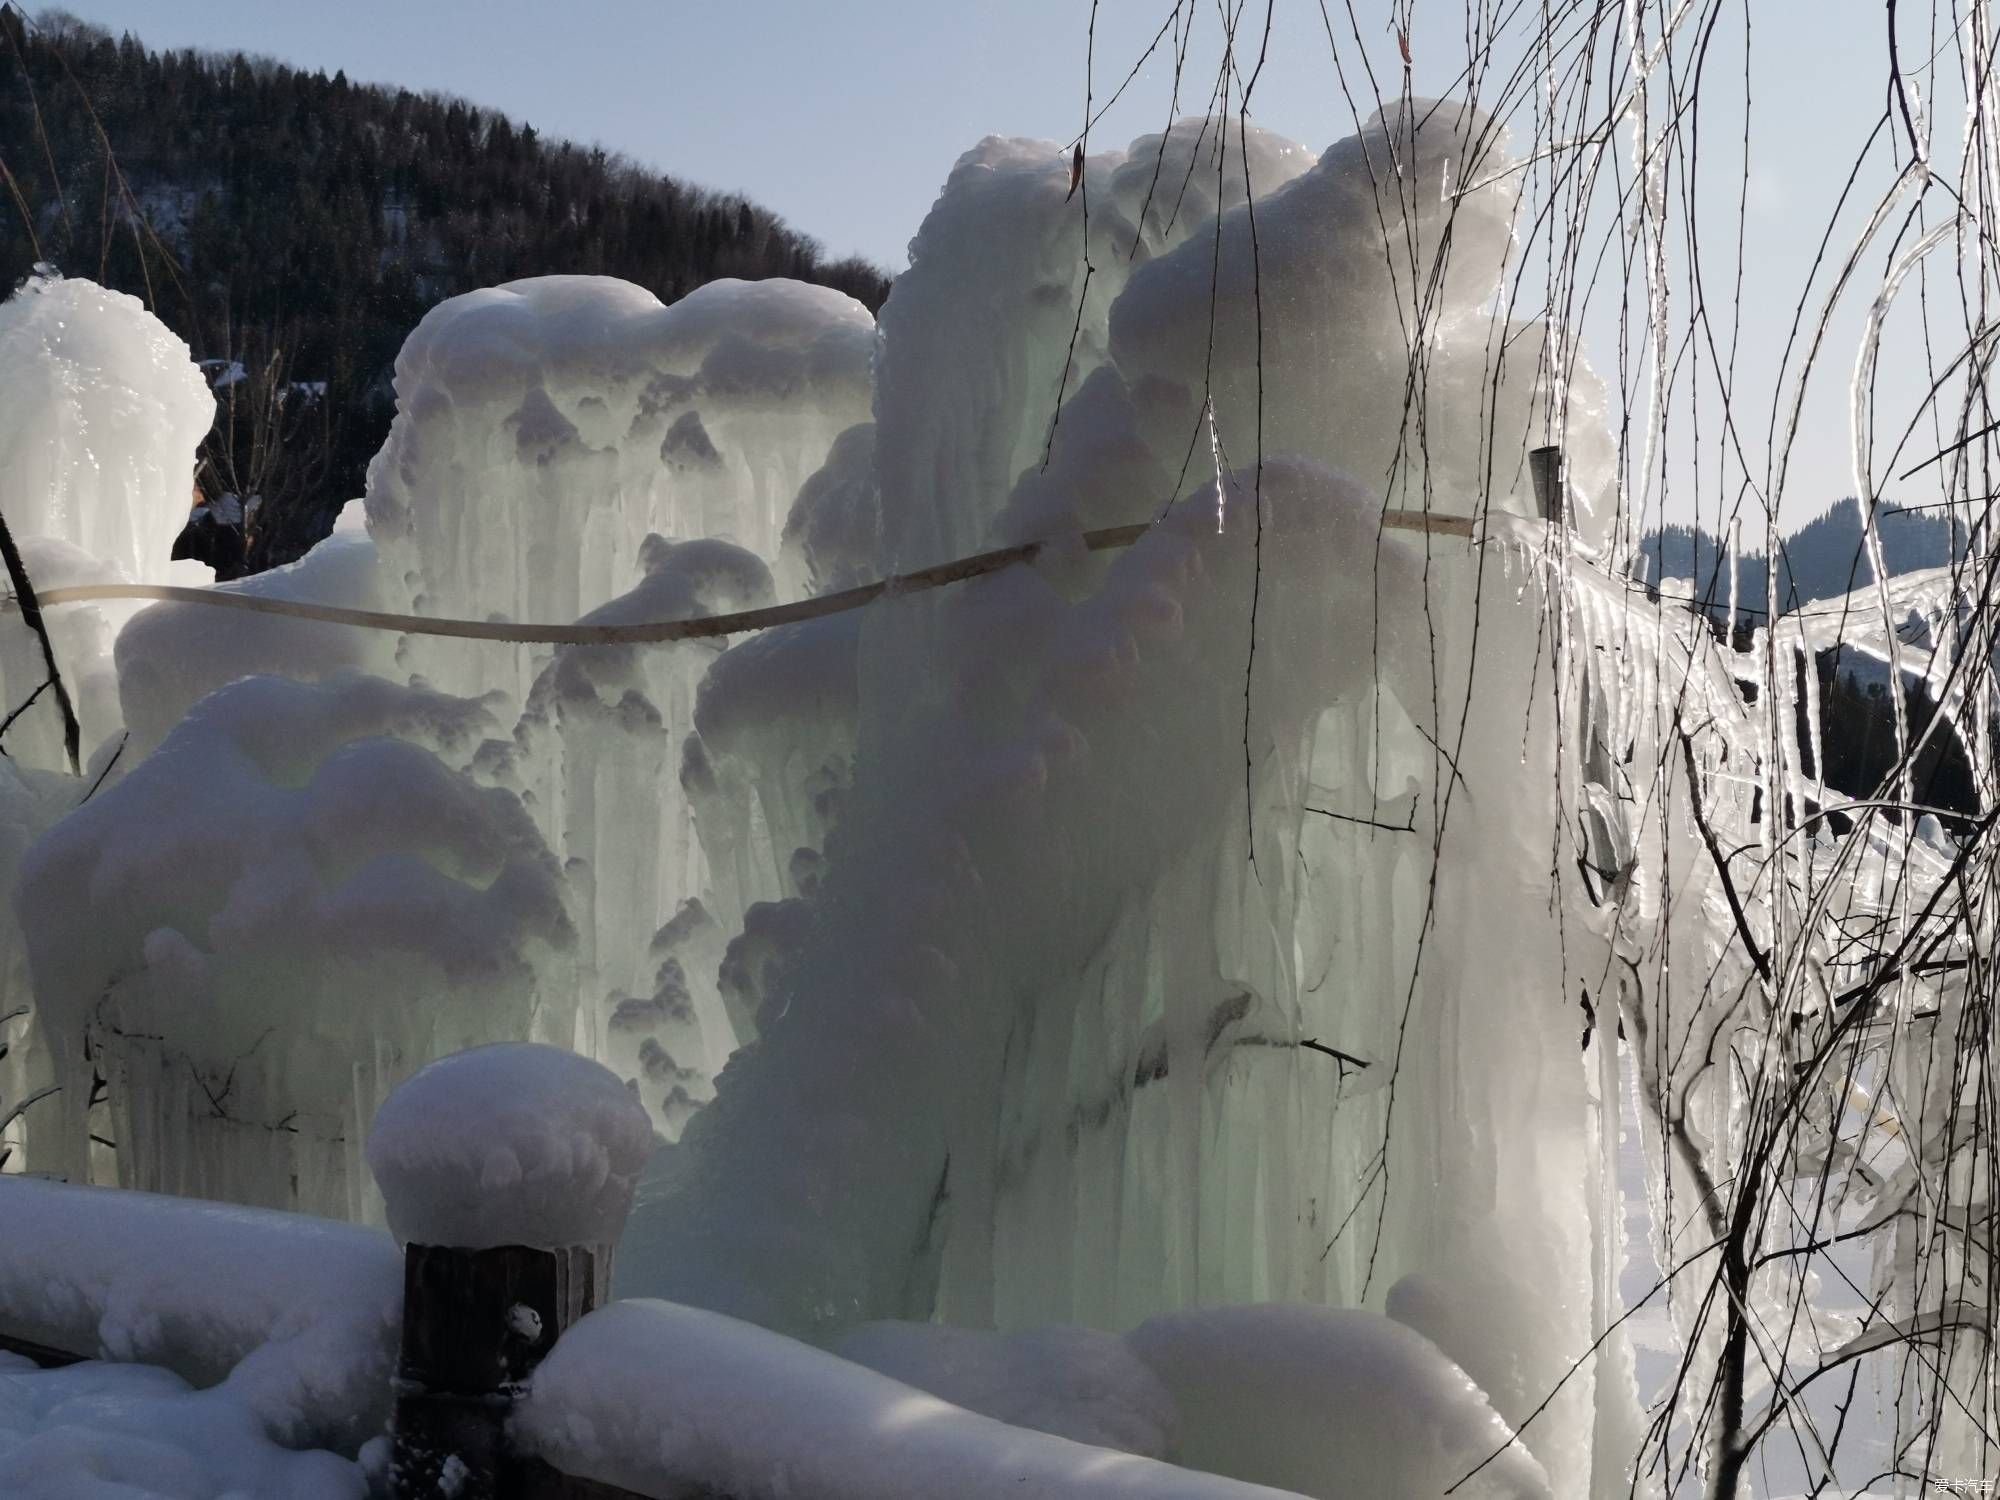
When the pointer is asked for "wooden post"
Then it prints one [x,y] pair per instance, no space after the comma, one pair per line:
[475,1325]
[1551,478]
[508,1172]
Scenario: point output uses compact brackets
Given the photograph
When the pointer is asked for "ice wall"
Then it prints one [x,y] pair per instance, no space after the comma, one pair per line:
[999,267]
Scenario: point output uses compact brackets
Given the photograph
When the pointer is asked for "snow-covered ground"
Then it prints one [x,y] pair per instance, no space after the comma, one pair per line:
[137,1432]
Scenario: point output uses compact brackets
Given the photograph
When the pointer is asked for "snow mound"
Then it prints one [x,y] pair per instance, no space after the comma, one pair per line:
[296,1318]
[512,1144]
[1076,1383]
[171,655]
[659,1398]
[1331,1402]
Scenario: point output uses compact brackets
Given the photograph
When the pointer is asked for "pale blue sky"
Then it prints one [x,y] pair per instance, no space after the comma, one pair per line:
[842,117]
[845,118]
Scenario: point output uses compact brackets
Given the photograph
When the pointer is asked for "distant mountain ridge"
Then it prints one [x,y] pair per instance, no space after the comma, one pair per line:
[1824,559]
[294,228]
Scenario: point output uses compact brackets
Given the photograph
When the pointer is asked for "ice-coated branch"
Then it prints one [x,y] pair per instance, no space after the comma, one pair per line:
[1736,910]
[1937,1323]
[15,1112]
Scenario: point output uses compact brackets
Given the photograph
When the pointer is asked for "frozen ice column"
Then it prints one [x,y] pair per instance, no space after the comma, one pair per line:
[508,1171]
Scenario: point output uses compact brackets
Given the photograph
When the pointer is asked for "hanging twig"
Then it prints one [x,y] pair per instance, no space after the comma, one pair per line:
[1736,911]
[31,614]
[124,740]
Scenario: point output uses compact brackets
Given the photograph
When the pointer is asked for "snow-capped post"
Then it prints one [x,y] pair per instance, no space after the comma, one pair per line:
[508,1171]
[1545,468]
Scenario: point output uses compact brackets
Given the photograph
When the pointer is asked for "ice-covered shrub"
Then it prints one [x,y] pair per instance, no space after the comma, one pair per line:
[288,907]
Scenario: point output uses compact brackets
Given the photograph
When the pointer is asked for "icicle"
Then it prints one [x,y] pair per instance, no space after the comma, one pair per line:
[1215,458]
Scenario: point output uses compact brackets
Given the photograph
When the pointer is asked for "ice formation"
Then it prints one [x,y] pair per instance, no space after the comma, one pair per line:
[697,420]
[1036,1056]
[1205,924]
[102,413]
[98,434]
[568,449]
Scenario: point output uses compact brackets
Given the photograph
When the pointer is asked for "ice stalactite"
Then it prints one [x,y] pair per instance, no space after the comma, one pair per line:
[601,736]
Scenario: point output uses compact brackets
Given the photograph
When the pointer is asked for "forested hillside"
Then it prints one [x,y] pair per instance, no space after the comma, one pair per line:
[293,228]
